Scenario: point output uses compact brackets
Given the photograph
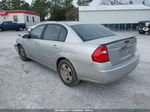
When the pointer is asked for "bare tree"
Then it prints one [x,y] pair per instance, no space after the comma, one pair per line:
[143,2]
[146,3]
[84,2]
[116,2]
[111,2]
[130,2]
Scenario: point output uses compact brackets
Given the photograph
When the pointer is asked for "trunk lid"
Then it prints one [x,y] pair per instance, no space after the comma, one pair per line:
[119,48]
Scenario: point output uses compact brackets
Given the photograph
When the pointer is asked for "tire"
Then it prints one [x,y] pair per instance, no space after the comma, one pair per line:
[22,53]
[20,29]
[141,32]
[67,73]
[0,30]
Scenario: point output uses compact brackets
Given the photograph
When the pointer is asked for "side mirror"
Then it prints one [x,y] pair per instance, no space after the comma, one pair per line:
[25,36]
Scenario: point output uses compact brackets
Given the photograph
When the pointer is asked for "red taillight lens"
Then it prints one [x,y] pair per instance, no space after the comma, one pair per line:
[100,54]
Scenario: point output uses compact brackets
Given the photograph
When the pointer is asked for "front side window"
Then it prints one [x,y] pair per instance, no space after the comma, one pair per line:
[91,31]
[37,32]
[52,32]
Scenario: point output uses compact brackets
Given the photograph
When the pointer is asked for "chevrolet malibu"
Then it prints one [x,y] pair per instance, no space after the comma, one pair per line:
[80,51]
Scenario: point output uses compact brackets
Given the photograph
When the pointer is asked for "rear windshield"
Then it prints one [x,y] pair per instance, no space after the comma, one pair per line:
[91,31]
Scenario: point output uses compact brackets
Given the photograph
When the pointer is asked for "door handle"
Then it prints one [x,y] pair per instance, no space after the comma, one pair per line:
[55,46]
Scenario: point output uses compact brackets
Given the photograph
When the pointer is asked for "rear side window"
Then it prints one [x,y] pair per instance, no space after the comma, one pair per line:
[52,32]
[8,22]
[91,31]
[62,35]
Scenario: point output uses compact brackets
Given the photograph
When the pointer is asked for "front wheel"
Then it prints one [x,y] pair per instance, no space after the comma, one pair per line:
[141,32]
[22,53]
[67,73]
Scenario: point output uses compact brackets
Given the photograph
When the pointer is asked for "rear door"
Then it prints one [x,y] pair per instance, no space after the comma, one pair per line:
[53,40]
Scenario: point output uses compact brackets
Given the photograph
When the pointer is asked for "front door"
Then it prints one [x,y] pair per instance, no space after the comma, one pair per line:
[32,44]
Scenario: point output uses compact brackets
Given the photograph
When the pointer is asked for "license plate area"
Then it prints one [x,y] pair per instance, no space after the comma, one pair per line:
[125,53]
[122,50]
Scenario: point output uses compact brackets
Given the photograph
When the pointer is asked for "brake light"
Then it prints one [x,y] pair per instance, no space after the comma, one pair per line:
[100,54]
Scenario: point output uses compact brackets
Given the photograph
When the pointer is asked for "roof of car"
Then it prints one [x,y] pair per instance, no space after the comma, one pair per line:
[70,23]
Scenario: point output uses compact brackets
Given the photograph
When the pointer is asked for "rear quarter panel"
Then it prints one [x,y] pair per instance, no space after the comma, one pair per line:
[77,52]
[79,55]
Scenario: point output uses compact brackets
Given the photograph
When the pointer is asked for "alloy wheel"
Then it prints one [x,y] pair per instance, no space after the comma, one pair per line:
[66,73]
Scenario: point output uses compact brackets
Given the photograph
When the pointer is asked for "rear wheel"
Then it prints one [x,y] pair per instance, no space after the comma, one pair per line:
[22,53]
[141,32]
[0,29]
[67,73]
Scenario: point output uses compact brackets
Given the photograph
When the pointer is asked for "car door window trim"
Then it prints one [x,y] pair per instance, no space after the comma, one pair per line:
[41,33]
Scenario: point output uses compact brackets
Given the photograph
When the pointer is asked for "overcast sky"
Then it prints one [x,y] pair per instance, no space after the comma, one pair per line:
[96,2]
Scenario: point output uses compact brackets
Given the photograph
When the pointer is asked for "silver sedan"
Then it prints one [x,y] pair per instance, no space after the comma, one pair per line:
[80,51]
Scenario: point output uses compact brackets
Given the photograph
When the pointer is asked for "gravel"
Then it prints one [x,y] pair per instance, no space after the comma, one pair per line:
[29,85]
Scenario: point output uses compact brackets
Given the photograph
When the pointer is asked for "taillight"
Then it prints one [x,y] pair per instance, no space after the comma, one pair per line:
[100,54]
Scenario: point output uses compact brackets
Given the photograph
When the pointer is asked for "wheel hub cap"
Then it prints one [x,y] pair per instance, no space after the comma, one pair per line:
[66,73]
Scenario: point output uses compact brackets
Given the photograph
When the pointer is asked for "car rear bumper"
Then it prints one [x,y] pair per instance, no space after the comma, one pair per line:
[108,76]
[106,73]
